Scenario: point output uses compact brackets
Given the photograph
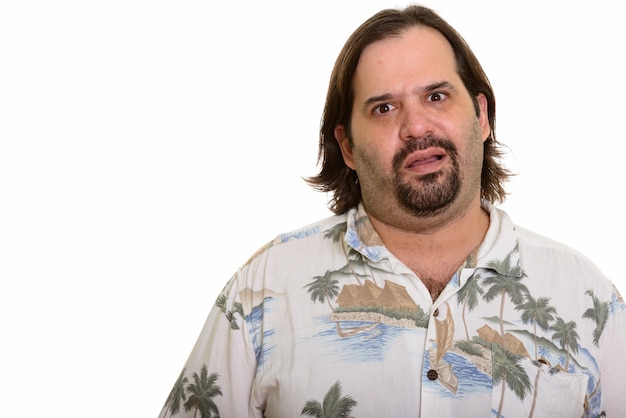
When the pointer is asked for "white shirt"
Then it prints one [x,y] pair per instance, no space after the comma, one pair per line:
[325,321]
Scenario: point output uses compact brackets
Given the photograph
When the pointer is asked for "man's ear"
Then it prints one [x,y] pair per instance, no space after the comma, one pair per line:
[344,145]
[483,117]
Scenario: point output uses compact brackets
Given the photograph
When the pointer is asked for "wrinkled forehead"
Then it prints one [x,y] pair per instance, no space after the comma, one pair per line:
[418,54]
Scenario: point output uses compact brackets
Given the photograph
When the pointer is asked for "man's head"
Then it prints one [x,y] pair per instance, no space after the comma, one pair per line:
[341,110]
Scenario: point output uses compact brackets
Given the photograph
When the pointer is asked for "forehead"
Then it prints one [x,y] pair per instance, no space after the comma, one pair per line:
[419,55]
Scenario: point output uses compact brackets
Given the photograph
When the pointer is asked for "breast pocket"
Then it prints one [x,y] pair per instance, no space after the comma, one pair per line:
[524,388]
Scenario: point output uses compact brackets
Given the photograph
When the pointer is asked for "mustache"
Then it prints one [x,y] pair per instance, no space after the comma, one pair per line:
[422,143]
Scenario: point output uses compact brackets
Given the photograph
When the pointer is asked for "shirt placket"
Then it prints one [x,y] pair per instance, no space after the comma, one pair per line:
[439,382]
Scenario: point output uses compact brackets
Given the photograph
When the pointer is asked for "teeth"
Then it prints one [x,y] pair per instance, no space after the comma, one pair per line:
[425,160]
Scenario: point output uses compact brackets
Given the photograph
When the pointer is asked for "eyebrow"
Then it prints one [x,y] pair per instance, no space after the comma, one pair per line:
[426,89]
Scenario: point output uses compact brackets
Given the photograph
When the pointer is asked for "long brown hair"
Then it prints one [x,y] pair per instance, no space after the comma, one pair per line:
[335,176]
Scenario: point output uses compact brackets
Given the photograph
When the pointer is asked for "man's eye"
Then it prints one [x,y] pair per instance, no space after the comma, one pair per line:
[436,97]
[384,108]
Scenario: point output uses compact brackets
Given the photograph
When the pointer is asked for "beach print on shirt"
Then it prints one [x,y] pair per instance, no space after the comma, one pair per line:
[525,361]
[495,337]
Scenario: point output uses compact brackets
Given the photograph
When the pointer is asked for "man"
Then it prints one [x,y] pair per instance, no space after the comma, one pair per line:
[419,298]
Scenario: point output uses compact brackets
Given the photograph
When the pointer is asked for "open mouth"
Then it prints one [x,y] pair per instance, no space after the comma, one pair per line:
[424,161]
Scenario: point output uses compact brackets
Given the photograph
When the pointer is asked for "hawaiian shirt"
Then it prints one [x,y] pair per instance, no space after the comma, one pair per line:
[325,322]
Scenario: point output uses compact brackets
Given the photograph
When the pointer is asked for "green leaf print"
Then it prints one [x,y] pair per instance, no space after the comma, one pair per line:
[334,405]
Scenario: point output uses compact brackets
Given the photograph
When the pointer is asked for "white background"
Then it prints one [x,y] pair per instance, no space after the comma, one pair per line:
[147,148]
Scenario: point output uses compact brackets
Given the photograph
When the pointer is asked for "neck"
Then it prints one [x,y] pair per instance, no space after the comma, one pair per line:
[435,248]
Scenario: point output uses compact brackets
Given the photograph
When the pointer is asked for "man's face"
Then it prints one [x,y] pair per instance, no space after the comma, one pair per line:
[416,141]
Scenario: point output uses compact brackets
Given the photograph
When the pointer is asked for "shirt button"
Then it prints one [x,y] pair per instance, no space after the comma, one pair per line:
[436,313]
[432,374]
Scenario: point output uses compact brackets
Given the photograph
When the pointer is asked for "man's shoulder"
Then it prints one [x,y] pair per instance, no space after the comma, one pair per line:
[535,247]
[314,229]
[536,239]
[527,237]
[294,241]
[551,250]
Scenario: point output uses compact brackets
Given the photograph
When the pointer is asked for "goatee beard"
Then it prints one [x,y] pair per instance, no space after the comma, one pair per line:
[434,192]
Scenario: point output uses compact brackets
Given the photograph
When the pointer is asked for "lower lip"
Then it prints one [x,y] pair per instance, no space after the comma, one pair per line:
[427,166]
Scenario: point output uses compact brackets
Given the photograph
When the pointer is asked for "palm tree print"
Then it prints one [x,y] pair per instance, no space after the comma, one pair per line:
[230,315]
[507,371]
[177,395]
[221,303]
[333,406]
[503,284]
[537,312]
[201,394]
[599,314]
[324,288]
[565,333]
[469,296]
[336,232]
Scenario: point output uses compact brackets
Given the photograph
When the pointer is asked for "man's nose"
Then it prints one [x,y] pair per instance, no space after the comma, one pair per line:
[416,122]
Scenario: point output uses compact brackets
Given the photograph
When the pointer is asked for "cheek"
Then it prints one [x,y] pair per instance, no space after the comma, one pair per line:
[370,161]
[374,145]
[474,152]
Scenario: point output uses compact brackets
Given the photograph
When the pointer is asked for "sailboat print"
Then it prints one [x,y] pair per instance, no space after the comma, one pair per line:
[444,331]
[364,329]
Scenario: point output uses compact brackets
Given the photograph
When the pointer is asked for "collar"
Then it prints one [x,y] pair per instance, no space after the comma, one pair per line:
[499,250]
